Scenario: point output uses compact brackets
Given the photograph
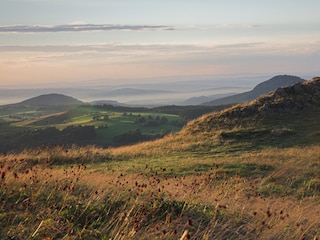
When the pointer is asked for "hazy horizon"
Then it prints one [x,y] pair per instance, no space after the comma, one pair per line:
[47,43]
[166,91]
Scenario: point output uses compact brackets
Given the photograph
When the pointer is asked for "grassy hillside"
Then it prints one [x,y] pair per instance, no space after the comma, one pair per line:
[247,172]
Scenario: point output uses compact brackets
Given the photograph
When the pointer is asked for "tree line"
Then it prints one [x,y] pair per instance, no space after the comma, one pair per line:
[79,135]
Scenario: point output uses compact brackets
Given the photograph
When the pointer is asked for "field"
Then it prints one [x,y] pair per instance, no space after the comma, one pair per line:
[109,125]
[212,185]
[241,173]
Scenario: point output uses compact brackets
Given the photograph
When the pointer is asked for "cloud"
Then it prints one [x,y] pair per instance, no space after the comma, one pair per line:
[79,28]
[176,54]
[167,50]
[84,27]
[115,53]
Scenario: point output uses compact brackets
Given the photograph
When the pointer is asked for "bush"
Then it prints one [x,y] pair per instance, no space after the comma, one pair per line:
[129,137]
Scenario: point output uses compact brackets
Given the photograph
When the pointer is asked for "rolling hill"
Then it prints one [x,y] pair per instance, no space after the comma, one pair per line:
[135,92]
[247,172]
[286,117]
[262,88]
[282,102]
[205,99]
[52,99]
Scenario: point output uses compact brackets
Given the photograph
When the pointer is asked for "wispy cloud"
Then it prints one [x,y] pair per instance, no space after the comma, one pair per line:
[115,53]
[79,28]
[145,49]
[84,27]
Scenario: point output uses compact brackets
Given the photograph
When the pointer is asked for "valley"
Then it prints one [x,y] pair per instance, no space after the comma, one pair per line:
[83,124]
[159,120]
[247,171]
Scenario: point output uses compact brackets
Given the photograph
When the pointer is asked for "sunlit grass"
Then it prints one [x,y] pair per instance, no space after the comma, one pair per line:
[80,192]
[216,179]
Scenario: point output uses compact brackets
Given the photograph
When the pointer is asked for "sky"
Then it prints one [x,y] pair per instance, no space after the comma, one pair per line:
[68,42]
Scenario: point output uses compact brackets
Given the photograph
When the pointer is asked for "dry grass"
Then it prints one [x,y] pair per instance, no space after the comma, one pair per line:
[219,178]
[264,194]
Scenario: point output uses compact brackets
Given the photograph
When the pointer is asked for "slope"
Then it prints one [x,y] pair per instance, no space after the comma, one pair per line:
[248,172]
[283,102]
[52,99]
[262,88]
[285,118]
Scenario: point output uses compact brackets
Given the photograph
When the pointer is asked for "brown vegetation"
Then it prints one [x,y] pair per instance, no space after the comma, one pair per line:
[242,181]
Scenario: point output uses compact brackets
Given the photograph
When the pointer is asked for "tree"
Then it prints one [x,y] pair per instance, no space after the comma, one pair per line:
[140,120]
[163,120]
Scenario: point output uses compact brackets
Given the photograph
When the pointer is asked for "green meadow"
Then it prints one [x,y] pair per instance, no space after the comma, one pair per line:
[105,123]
